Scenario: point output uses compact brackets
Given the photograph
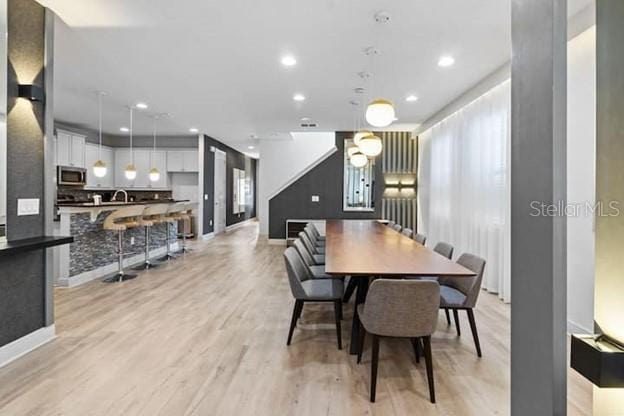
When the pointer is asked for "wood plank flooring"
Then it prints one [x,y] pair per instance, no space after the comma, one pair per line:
[206,335]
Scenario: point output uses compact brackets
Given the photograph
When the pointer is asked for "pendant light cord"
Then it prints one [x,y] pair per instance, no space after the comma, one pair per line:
[100,123]
[131,150]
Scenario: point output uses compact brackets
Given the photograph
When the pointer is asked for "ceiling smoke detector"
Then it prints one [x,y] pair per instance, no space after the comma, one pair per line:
[382,16]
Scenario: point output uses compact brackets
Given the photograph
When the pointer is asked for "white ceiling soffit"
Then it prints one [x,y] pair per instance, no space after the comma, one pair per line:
[216,65]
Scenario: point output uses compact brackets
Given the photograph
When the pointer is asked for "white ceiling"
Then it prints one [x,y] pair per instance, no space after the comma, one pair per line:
[215,65]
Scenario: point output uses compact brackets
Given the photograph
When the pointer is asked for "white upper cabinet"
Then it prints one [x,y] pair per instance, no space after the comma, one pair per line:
[92,154]
[182,161]
[144,161]
[70,149]
[158,160]
[122,159]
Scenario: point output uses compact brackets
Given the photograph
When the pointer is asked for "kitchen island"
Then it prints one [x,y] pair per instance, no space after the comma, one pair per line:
[93,254]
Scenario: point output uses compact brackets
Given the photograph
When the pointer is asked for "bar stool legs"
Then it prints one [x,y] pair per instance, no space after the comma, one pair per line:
[121,275]
[147,264]
[169,255]
[184,249]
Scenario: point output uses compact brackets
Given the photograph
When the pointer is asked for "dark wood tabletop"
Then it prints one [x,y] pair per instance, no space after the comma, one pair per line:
[369,248]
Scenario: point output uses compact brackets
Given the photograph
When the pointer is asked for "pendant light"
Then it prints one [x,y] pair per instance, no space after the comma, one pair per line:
[380,111]
[131,172]
[371,146]
[358,160]
[351,150]
[154,174]
[360,135]
[99,167]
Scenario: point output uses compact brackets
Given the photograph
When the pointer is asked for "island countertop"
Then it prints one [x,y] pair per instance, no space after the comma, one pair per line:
[114,204]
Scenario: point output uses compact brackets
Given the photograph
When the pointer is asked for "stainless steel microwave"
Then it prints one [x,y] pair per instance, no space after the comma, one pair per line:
[70,176]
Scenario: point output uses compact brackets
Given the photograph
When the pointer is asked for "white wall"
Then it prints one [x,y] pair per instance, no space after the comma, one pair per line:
[581,156]
[281,161]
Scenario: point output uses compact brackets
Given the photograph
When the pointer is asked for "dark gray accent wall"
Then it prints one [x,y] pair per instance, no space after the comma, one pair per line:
[22,278]
[233,159]
[326,181]
[538,173]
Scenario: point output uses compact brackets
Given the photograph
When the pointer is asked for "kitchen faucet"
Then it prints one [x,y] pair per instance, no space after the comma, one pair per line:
[115,195]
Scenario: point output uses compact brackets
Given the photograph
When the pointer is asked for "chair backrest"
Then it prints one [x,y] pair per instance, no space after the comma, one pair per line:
[469,286]
[177,207]
[307,242]
[189,207]
[421,238]
[314,230]
[390,223]
[121,214]
[407,232]
[402,308]
[303,251]
[444,249]
[309,233]
[397,227]
[296,272]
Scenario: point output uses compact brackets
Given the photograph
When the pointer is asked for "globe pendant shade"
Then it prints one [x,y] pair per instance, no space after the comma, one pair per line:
[351,150]
[154,175]
[131,172]
[361,134]
[380,113]
[99,169]
[371,146]
[359,160]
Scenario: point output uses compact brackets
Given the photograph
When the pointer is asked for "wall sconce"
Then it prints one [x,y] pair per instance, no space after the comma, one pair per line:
[599,359]
[30,92]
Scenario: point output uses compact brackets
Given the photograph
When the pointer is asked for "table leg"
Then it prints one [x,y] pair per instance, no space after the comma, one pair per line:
[360,297]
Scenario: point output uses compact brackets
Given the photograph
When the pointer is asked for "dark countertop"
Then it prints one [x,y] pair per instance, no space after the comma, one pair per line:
[118,203]
[29,244]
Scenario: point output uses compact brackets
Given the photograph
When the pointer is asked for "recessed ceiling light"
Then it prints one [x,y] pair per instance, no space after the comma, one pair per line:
[124,129]
[289,60]
[298,97]
[193,130]
[411,98]
[141,106]
[445,61]
[250,147]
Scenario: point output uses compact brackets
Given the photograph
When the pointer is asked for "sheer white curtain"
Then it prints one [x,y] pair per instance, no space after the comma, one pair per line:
[464,184]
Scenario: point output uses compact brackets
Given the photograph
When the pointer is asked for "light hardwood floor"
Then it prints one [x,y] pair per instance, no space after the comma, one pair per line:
[206,335]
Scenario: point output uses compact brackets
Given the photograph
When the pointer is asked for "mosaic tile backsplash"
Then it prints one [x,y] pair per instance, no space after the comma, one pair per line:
[94,247]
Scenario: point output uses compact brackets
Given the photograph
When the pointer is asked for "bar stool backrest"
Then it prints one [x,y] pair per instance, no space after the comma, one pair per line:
[125,214]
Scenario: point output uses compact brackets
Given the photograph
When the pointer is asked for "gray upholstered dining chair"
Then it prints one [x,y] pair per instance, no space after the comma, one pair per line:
[403,309]
[316,232]
[461,293]
[318,257]
[316,271]
[311,290]
[407,232]
[313,236]
[390,223]
[397,228]
[446,250]
[319,246]
[421,238]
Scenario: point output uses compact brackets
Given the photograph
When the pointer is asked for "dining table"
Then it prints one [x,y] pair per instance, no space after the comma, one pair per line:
[366,249]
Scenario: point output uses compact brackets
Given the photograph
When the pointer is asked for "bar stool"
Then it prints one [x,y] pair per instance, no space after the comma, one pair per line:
[121,220]
[172,215]
[185,217]
[152,215]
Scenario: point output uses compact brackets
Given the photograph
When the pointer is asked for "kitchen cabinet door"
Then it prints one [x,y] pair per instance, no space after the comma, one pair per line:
[175,161]
[191,162]
[63,149]
[142,164]
[77,151]
[92,154]
[122,159]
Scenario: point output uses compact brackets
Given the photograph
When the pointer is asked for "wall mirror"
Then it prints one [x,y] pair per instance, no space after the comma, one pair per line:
[239,192]
[3,107]
[358,192]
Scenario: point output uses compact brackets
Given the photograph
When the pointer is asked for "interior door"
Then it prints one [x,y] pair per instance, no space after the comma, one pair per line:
[219,193]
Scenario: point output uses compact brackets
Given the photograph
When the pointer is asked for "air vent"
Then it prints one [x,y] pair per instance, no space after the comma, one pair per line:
[308,125]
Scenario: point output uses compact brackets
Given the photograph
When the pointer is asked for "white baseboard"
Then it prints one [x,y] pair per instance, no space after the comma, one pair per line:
[22,346]
[208,236]
[239,224]
[574,328]
[100,272]
[277,241]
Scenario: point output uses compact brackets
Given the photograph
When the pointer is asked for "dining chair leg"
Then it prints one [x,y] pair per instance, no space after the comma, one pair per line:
[456,317]
[361,343]
[338,316]
[416,345]
[360,297]
[448,317]
[351,286]
[374,365]
[293,322]
[340,309]
[429,363]
[473,328]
